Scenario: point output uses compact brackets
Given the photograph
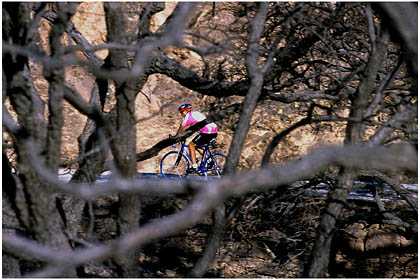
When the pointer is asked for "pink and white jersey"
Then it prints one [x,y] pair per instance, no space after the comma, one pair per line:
[194,117]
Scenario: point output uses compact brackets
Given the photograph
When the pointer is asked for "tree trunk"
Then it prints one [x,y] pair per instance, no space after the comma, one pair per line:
[257,76]
[90,166]
[43,221]
[337,197]
[123,145]
[10,221]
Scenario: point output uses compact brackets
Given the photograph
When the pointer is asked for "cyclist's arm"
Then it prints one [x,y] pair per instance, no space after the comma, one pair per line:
[180,129]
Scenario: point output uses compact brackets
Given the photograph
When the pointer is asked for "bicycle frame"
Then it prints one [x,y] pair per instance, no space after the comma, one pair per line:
[206,151]
[178,162]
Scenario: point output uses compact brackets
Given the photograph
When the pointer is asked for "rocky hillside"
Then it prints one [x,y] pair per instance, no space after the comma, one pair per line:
[157,102]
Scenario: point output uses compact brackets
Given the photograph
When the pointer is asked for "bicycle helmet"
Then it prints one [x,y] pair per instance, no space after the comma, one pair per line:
[185,108]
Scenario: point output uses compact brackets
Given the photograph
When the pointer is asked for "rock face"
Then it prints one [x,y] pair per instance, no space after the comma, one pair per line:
[365,239]
[365,249]
[380,239]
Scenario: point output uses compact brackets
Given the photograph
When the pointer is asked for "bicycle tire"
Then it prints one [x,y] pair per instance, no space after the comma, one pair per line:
[217,169]
[170,170]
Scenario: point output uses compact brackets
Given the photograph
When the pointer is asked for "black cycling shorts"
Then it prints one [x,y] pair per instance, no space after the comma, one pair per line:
[203,138]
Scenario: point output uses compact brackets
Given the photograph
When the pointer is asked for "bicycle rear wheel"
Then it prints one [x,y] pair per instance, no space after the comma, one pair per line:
[215,168]
[174,165]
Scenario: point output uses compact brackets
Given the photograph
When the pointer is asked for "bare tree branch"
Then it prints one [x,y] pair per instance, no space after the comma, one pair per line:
[353,157]
[311,56]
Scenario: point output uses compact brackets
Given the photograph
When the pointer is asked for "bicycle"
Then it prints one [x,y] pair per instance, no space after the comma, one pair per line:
[174,164]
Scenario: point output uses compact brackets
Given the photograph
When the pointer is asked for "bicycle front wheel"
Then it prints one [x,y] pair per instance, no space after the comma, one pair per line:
[174,165]
[215,164]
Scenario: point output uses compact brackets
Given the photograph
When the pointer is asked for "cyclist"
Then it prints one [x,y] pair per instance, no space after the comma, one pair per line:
[205,134]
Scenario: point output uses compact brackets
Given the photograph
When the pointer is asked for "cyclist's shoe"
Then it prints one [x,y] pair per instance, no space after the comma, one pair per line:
[210,163]
[192,170]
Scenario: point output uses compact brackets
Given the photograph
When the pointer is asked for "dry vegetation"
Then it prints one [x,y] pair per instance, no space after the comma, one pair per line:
[273,228]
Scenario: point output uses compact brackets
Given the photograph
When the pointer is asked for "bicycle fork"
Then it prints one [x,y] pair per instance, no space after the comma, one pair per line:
[178,159]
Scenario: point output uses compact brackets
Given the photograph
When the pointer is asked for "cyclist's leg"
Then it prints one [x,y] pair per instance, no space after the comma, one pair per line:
[210,162]
[215,164]
[205,139]
[200,140]
[192,146]
[200,149]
